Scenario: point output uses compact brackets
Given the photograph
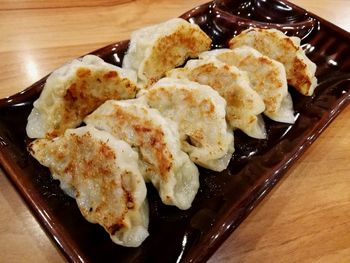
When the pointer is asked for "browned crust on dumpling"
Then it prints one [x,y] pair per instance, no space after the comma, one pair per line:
[165,54]
[300,80]
[149,137]
[91,160]
[282,48]
[86,92]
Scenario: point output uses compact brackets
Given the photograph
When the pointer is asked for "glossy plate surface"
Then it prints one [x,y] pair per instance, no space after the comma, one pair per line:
[225,198]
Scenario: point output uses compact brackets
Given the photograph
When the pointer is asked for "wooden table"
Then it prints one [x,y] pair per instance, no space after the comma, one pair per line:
[305,218]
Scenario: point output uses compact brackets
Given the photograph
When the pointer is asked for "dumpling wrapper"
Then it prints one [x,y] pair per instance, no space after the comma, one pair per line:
[156,49]
[200,113]
[267,77]
[101,173]
[276,45]
[74,91]
[243,105]
[157,140]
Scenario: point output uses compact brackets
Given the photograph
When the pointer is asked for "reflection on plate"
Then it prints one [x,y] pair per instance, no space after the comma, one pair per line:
[225,198]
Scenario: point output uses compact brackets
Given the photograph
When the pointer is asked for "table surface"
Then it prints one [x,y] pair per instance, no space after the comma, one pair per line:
[304,218]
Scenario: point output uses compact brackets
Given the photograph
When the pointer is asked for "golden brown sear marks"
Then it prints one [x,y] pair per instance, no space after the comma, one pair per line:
[90,164]
[243,104]
[86,93]
[300,79]
[266,76]
[75,90]
[274,44]
[153,137]
[172,50]
[199,112]
[147,136]
[156,139]
[156,49]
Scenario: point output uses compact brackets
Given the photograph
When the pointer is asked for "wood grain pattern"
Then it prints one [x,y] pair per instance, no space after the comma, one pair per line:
[304,219]
[42,4]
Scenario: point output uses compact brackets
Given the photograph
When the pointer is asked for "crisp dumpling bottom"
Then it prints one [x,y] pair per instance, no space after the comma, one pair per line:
[156,138]
[199,112]
[285,113]
[102,174]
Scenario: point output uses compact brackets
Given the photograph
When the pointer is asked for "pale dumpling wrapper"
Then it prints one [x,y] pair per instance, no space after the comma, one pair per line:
[200,113]
[267,77]
[273,43]
[156,49]
[243,105]
[157,140]
[74,91]
[102,174]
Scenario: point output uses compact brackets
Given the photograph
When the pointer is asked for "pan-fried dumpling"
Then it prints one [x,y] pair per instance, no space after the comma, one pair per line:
[75,90]
[161,160]
[244,105]
[156,49]
[199,112]
[276,45]
[102,174]
[267,77]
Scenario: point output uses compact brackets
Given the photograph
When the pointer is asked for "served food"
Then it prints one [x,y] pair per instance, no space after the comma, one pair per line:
[142,127]
[102,174]
[267,77]
[299,68]
[75,90]
[156,49]
[243,105]
[199,112]
[156,139]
